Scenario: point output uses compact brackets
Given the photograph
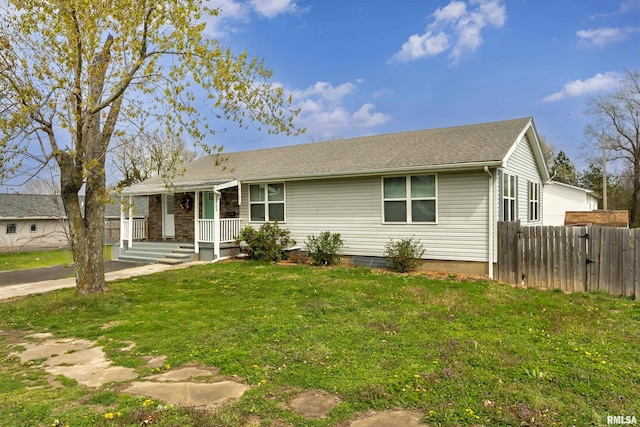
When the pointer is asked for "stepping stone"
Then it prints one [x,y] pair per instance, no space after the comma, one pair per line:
[390,418]
[207,395]
[40,335]
[314,403]
[181,374]
[156,362]
[49,348]
[89,367]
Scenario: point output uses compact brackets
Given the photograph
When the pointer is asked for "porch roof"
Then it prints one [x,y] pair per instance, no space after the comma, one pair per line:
[159,187]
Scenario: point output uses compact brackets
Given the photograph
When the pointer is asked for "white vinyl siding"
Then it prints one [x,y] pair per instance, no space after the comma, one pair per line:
[522,164]
[352,207]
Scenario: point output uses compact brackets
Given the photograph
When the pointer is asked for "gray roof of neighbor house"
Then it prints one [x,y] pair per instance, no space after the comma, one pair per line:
[454,147]
[38,206]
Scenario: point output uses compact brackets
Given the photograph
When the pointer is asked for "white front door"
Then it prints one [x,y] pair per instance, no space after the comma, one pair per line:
[168,225]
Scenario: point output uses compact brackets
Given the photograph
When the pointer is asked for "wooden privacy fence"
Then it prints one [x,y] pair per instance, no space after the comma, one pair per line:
[573,259]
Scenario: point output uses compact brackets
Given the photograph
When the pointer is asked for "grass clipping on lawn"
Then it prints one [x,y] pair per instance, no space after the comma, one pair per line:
[460,352]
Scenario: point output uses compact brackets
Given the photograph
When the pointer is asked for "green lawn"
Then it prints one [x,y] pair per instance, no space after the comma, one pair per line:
[461,353]
[36,259]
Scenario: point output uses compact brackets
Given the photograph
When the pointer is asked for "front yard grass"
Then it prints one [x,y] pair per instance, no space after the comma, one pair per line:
[35,259]
[459,352]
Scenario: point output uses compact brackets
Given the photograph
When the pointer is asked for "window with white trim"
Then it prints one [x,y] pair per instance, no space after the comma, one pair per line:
[509,200]
[409,199]
[266,202]
[12,229]
[534,201]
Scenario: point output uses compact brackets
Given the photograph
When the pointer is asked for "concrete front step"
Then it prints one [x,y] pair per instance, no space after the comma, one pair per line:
[162,252]
[156,254]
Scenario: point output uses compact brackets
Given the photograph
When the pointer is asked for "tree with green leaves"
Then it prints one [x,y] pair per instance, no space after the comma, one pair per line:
[617,128]
[563,170]
[76,73]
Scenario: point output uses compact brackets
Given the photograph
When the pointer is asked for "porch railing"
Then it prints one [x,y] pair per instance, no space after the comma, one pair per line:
[229,230]
[139,229]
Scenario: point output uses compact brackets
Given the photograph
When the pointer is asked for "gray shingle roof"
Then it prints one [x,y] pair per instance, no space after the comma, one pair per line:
[30,206]
[37,206]
[453,146]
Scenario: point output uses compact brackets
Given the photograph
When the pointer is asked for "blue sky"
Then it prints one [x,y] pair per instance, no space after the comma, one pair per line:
[361,67]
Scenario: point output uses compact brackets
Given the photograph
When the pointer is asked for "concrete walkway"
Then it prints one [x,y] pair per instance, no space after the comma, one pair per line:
[40,287]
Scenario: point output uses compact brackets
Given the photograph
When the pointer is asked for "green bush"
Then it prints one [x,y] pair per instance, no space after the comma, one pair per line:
[404,255]
[266,243]
[325,249]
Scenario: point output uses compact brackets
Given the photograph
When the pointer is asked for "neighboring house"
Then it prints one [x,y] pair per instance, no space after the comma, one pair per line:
[34,221]
[561,198]
[29,221]
[446,187]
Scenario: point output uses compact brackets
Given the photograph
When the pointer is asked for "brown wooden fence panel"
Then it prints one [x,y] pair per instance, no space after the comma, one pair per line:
[573,259]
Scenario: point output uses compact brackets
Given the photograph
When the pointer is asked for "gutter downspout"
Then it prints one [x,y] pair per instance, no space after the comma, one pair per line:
[491,221]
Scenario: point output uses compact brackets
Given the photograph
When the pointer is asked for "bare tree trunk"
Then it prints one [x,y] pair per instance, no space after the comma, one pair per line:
[86,229]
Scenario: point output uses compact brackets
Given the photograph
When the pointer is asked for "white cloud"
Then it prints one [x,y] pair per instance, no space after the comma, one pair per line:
[324,114]
[458,26]
[418,46]
[628,5]
[451,12]
[272,8]
[598,83]
[234,11]
[604,35]
[325,91]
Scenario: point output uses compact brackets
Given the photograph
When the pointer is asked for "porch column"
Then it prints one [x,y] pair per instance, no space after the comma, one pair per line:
[121,222]
[216,225]
[196,228]
[130,237]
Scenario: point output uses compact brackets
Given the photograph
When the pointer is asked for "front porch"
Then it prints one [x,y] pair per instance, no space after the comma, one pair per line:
[207,219]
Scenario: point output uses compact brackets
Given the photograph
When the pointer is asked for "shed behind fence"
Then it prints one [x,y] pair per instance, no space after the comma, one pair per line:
[573,259]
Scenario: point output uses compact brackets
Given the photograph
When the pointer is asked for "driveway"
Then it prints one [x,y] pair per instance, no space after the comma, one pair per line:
[35,281]
[16,277]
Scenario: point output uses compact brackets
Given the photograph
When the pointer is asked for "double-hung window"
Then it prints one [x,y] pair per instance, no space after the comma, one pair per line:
[509,200]
[267,202]
[409,199]
[534,201]
[12,229]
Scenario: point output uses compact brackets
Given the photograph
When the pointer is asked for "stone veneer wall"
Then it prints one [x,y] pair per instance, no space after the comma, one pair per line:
[154,223]
[184,219]
[229,207]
